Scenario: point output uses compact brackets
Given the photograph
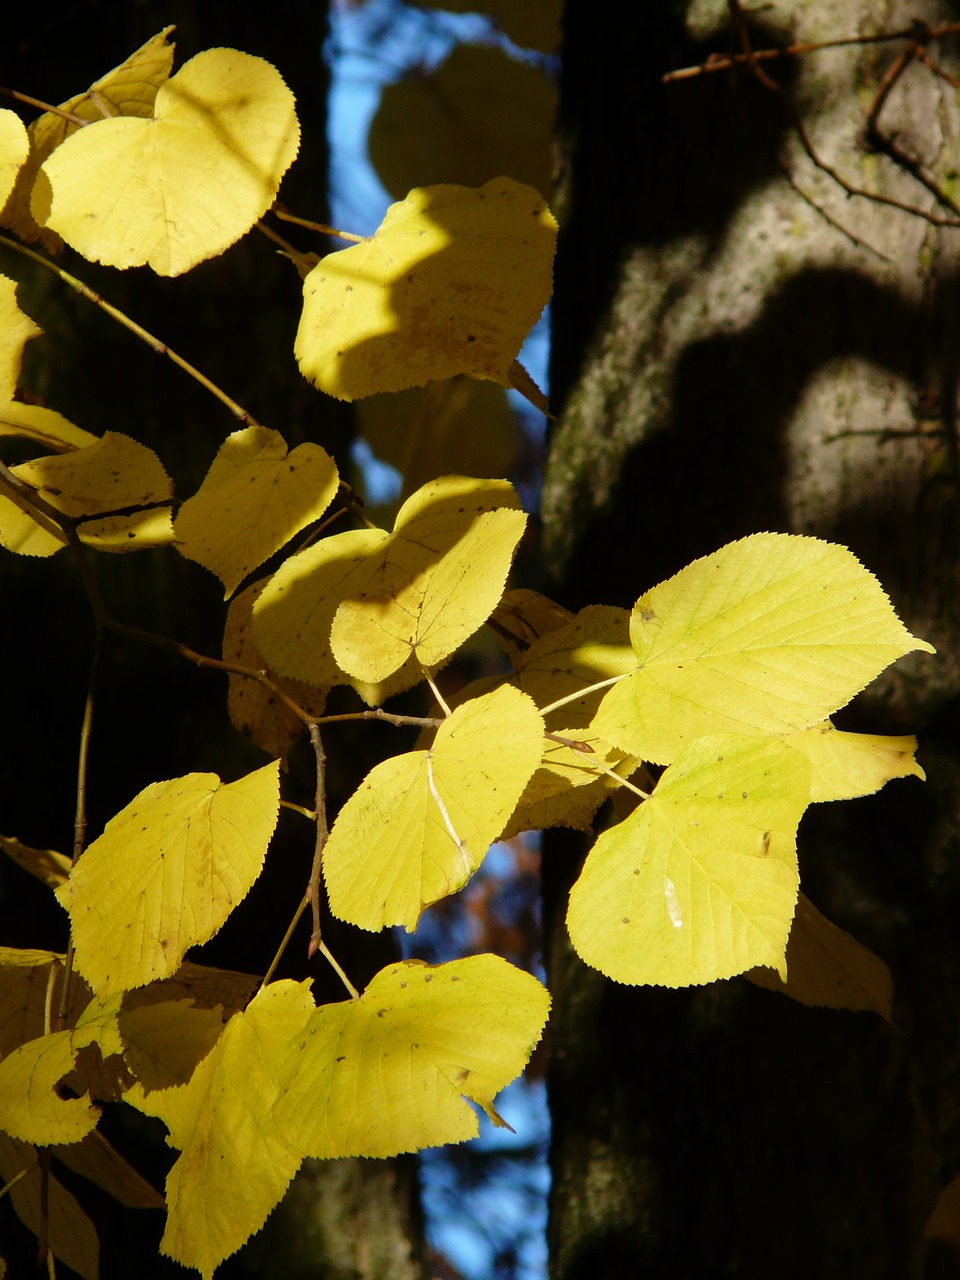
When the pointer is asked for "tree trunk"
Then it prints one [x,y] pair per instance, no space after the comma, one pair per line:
[739,345]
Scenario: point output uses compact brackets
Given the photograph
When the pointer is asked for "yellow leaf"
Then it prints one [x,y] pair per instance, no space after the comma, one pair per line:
[25,978]
[428,601]
[47,865]
[166,873]
[253,709]
[26,536]
[523,617]
[30,1108]
[479,114]
[165,1041]
[701,881]
[14,147]
[127,90]
[593,647]
[115,472]
[768,635]
[568,788]
[183,186]
[828,968]
[254,498]
[16,330]
[457,425]
[294,616]
[846,765]
[72,1237]
[391,1072]
[133,531]
[420,824]
[47,428]
[451,283]
[235,1163]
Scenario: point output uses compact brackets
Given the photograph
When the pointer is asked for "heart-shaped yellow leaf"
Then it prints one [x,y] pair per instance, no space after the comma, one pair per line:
[452,282]
[407,598]
[254,498]
[768,635]
[391,1072]
[14,146]
[166,873]
[183,186]
[420,824]
[700,882]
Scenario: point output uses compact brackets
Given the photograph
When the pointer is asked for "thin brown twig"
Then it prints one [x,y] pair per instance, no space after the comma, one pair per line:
[723,62]
[284,214]
[48,107]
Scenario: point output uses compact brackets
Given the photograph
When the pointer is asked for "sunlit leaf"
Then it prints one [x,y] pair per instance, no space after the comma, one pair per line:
[846,765]
[30,1108]
[701,881]
[46,865]
[254,498]
[592,648]
[72,1236]
[768,635]
[131,531]
[252,708]
[420,824]
[183,186]
[451,283]
[568,787]
[235,1163]
[14,146]
[21,533]
[479,114]
[828,968]
[294,616]
[128,90]
[391,1072]
[166,873]
[47,428]
[16,329]
[115,472]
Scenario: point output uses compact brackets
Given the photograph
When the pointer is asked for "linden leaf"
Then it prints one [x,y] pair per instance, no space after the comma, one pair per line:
[47,428]
[451,283]
[164,1041]
[254,498]
[50,1209]
[846,765]
[479,114]
[26,535]
[828,968]
[127,90]
[14,147]
[770,634]
[252,708]
[183,186]
[455,425]
[25,979]
[420,824]
[166,873]
[47,865]
[235,1163]
[132,531]
[115,472]
[568,787]
[523,617]
[592,648]
[427,607]
[16,330]
[700,882]
[30,1108]
[391,1072]
[294,616]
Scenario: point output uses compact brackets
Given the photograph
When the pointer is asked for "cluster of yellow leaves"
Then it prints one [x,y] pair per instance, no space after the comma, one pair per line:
[721,681]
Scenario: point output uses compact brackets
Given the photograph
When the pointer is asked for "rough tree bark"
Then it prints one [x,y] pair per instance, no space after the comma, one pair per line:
[731,355]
